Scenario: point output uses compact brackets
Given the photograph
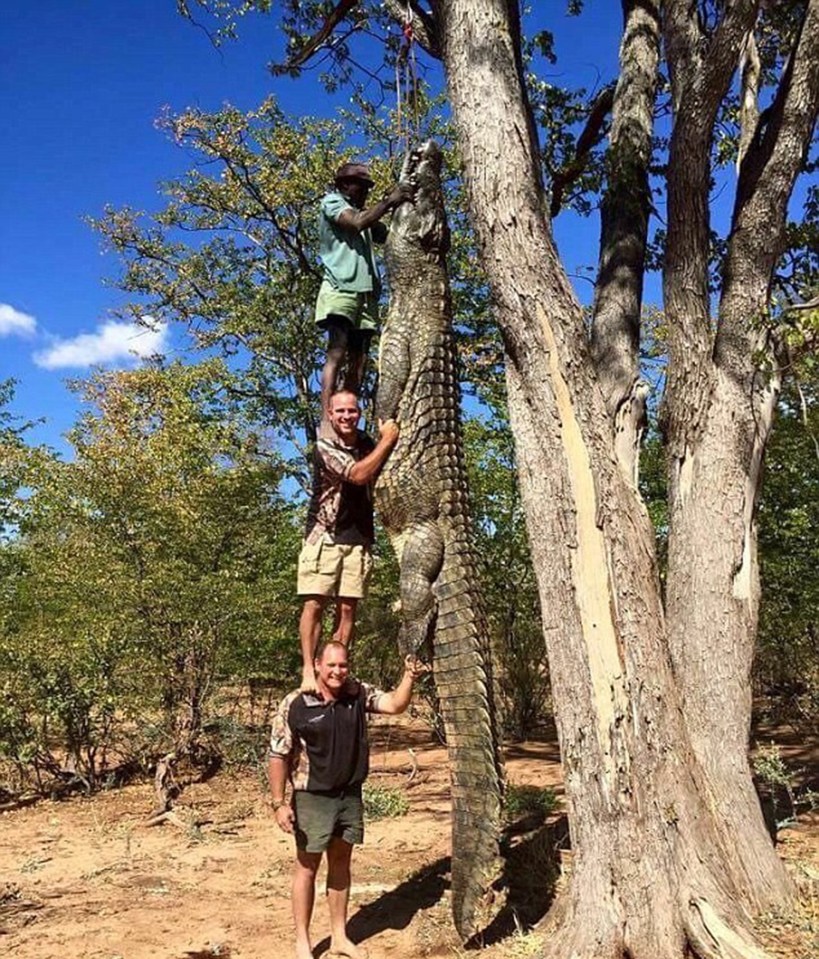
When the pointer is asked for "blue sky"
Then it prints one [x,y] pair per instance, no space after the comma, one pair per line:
[81,84]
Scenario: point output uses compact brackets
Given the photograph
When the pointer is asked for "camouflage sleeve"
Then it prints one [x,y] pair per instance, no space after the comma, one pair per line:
[336,461]
[371,696]
[281,735]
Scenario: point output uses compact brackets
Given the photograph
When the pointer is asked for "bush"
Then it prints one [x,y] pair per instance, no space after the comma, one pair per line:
[384,802]
[523,801]
[782,798]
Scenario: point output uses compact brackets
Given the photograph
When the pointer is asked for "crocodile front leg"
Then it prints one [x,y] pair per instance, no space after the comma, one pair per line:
[421,557]
[393,356]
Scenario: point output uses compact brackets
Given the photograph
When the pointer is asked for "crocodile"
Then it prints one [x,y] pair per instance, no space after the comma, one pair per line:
[422,499]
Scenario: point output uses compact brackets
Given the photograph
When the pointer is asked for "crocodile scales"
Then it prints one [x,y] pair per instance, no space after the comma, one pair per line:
[422,499]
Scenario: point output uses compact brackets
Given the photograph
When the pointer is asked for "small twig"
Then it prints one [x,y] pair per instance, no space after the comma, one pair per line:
[414,770]
[168,816]
[811,304]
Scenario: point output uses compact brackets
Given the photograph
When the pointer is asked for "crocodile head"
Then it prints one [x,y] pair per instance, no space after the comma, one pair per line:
[422,221]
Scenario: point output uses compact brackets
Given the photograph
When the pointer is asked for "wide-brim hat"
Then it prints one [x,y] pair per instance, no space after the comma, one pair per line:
[354,171]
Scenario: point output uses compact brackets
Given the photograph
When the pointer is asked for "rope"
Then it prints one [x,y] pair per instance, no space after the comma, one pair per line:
[406,83]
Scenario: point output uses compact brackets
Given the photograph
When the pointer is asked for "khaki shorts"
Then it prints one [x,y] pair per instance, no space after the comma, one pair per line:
[320,816]
[361,309]
[330,569]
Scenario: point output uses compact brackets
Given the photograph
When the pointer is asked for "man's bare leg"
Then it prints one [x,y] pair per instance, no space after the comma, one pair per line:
[358,348]
[356,362]
[303,896]
[337,345]
[344,623]
[309,634]
[339,854]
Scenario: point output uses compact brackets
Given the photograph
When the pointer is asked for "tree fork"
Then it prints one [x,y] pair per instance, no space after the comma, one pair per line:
[629,768]
[713,580]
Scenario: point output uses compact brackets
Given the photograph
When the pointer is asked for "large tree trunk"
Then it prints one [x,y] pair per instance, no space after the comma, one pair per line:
[618,297]
[670,852]
[655,870]
[719,416]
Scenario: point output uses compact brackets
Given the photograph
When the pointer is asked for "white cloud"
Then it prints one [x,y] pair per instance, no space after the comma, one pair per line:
[15,323]
[113,341]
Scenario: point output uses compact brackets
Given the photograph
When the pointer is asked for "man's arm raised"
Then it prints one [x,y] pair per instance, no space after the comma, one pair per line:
[360,220]
[367,469]
[397,700]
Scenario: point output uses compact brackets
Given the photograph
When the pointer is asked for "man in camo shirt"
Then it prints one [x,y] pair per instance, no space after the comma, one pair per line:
[335,560]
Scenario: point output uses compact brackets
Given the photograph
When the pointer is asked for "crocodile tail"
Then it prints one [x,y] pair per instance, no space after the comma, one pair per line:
[463,678]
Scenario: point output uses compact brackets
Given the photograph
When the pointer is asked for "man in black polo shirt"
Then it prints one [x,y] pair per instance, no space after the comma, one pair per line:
[319,744]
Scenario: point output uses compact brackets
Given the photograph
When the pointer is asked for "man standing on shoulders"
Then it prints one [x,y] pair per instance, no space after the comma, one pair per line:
[335,560]
[319,745]
[347,304]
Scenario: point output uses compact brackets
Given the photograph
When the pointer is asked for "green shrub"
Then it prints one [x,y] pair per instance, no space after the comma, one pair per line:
[384,802]
[528,800]
[782,798]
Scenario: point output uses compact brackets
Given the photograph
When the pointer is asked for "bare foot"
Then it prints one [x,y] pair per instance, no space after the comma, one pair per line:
[308,680]
[343,947]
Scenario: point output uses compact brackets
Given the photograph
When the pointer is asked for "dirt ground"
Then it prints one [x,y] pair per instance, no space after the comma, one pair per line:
[88,879]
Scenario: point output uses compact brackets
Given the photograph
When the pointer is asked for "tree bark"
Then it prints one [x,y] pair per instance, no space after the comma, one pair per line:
[624,214]
[713,577]
[655,871]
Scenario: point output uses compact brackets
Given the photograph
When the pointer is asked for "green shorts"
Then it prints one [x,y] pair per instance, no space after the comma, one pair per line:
[361,309]
[320,816]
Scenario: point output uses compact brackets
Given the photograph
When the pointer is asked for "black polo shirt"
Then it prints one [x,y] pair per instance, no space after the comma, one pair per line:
[326,742]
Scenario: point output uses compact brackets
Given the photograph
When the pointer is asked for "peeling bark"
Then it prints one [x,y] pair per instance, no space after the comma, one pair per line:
[713,578]
[655,871]
[750,69]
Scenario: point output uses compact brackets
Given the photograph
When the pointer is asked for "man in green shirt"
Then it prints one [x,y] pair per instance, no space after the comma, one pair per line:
[347,304]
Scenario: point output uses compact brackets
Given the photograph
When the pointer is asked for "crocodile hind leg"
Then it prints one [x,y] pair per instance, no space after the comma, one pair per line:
[422,556]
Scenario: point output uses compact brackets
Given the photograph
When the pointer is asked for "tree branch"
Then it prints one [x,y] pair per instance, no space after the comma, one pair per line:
[615,340]
[425,26]
[339,13]
[768,172]
[788,122]
[723,49]
[589,137]
[701,66]
[812,304]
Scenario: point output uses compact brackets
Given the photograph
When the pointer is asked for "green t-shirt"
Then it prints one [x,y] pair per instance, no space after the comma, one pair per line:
[348,258]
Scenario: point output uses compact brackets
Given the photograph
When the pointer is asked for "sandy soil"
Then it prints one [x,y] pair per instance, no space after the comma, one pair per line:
[87,878]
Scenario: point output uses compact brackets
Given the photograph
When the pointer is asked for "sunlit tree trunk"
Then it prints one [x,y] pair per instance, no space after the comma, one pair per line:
[657,870]
[723,387]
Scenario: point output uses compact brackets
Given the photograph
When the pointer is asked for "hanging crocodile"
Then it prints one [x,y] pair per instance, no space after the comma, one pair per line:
[422,499]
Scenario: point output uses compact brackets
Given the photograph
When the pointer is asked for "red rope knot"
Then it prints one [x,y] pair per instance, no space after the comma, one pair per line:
[407,31]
